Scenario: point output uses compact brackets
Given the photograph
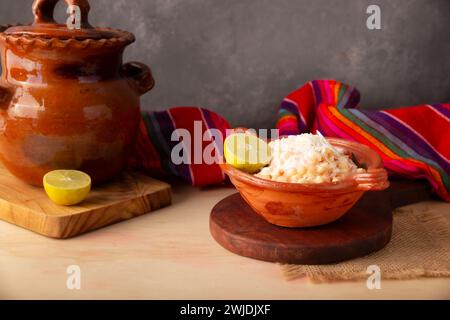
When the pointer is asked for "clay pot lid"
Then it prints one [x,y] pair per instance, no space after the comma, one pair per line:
[44,31]
[60,31]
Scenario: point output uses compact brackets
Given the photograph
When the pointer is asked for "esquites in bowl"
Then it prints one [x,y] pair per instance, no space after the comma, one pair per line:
[304,180]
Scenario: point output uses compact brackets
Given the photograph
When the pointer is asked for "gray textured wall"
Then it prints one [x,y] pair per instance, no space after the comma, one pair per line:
[240,57]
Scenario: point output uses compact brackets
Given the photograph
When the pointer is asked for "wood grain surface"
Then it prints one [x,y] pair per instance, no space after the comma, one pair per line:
[170,254]
[364,229]
[128,196]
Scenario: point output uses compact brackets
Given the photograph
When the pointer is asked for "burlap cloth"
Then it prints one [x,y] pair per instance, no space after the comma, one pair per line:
[420,247]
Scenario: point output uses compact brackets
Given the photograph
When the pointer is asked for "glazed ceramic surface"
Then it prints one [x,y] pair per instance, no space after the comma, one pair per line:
[67,101]
[307,205]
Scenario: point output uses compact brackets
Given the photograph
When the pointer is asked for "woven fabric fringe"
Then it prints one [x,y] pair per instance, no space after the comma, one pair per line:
[420,247]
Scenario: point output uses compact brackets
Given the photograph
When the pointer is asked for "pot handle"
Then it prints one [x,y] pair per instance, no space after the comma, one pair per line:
[373,179]
[5,97]
[43,11]
[140,76]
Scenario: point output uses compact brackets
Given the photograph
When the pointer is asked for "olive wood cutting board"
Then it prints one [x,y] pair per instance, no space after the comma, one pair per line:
[366,228]
[129,195]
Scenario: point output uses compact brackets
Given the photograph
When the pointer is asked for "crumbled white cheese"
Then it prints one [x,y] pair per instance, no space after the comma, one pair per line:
[307,158]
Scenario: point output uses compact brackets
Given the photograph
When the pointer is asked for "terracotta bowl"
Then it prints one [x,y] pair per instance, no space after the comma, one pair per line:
[307,205]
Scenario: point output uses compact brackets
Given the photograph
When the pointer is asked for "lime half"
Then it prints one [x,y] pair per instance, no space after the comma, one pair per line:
[67,187]
[246,152]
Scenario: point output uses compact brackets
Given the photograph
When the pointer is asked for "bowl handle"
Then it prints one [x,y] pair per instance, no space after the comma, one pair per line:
[140,76]
[373,179]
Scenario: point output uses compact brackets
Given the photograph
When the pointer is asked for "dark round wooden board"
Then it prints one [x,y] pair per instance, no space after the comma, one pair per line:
[364,229]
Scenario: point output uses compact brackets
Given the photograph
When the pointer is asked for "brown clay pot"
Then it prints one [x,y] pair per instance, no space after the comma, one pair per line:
[67,101]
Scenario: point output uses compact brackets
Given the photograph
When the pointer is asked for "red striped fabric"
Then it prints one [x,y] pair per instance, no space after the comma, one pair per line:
[414,142]
[154,144]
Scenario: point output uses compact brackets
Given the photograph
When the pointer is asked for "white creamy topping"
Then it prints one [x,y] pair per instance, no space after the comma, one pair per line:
[307,158]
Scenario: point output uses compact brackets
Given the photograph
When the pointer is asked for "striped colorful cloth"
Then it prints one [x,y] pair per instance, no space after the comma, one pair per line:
[414,142]
[157,139]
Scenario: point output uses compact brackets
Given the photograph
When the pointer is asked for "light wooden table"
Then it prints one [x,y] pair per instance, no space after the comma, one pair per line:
[169,254]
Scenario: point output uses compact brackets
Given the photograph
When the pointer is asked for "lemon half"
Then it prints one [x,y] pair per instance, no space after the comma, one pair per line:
[67,187]
[246,152]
